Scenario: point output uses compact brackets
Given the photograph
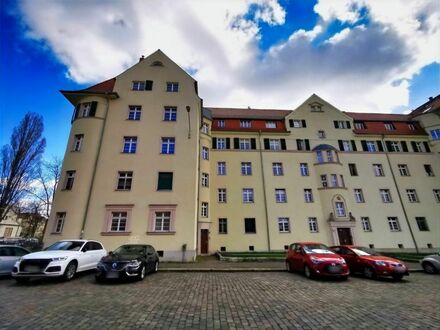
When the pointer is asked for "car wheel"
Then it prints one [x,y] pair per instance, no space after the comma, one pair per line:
[429,268]
[397,277]
[369,273]
[70,271]
[288,267]
[99,279]
[142,273]
[156,267]
[21,280]
[307,272]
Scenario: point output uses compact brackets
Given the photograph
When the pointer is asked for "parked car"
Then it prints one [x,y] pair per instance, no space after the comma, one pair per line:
[128,261]
[370,263]
[431,263]
[9,254]
[31,244]
[315,259]
[61,259]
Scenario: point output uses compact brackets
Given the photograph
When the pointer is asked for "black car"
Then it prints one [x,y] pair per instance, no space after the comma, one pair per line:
[128,261]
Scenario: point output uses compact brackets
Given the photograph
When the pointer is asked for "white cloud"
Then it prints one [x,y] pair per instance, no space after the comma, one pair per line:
[354,69]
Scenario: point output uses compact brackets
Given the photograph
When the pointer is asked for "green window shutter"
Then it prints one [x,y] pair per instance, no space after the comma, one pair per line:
[148,85]
[307,144]
[92,111]
[364,145]
[348,124]
[290,122]
[341,145]
[353,145]
[76,112]
[165,181]
[236,143]
[283,144]
[303,123]
[228,143]
[214,143]
[253,144]
[266,144]
[404,146]
[427,149]
[379,145]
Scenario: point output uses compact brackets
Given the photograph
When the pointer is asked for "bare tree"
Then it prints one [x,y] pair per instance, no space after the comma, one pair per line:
[32,222]
[19,161]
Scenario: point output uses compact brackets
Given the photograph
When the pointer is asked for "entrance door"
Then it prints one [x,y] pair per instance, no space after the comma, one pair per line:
[344,235]
[204,241]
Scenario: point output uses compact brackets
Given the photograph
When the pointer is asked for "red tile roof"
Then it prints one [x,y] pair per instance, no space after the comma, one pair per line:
[432,105]
[378,116]
[248,113]
[105,86]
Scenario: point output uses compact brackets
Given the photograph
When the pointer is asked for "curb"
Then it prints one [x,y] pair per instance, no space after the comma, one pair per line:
[238,270]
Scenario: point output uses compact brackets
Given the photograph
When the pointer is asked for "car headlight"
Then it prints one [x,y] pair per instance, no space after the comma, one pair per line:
[134,263]
[380,263]
[315,261]
[343,262]
[59,259]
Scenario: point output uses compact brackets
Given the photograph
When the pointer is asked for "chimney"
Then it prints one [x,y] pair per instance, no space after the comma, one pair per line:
[430,98]
[249,108]
[141,58]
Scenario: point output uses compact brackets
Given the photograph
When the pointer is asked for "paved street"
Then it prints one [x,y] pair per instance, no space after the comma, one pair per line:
[223,300]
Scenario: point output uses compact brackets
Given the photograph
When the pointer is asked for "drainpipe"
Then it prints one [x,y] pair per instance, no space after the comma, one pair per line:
[264,190]
[199,142]
[400,196]
[89,194]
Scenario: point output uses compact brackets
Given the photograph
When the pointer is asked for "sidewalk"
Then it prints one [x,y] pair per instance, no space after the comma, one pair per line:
[212,264]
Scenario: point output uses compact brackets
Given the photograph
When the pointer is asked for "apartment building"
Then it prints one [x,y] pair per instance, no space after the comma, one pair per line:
[147,163]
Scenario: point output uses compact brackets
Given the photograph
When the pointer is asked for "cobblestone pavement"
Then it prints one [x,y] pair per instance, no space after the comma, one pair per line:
[222,301]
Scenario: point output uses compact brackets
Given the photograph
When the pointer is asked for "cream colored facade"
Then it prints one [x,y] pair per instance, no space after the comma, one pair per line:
[184,221]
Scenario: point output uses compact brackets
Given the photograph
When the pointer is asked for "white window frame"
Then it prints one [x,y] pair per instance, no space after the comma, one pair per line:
[205,128]
[221,143]
[435,134]
[59,222]
[297,123]
[346,145]
[248,195]
[330,156]
[436,193]
[130,145]
[172,87]
[371,146]
[127,177]
[221,123]
[271,124]
[170,146]
[245,124]
[170,113]
[304,169]
[138,85]
[389,126]
[246,168]
[359,125]
[223,226]
[359,195]
[283,225]
[378,170]
[366,224]
[205,180]
[121,218]
[204,210]
[205,153]
[274,144]
[308,195]
[221,195]
[69,180]
[323,178]
[412,195]
[340,209]
[77,142]
[244,144]
[280,195]
[313,224]
[221,168]
[403,169]
[393,223]
[84,109]
[277,169]
[395,146]
[134,112]
[319,156]
[334,180]
[162,221]
[385,195]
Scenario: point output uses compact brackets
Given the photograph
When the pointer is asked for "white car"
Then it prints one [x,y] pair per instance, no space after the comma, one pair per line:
[61,259]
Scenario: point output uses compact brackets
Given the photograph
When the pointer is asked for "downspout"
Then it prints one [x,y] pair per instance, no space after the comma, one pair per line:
[264,190]
[198,177]
[400,196]
[81,235]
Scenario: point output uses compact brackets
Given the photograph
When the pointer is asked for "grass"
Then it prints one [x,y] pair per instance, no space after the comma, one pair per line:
[406,256]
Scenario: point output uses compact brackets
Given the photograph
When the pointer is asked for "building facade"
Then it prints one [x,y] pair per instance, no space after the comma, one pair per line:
[147,163]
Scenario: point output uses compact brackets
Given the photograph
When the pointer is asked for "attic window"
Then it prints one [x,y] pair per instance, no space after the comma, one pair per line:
[157,63]
[316,107]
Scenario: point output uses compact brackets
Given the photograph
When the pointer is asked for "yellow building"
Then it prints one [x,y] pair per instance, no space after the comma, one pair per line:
[147,163]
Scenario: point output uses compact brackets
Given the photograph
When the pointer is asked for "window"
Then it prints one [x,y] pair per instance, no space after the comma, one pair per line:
[393,223]
[118,221]
[411,127]
[205,128]
[124,180]
[220,143]
[341,124]
[280,195]
[162,221]
[170,114]
[297,123]
[59,222]
[221,123]
[366,225]
[316,107]
[422,223]
[205,180]
[344,145]
[145,85]
[221,195]
[359,196]
[134,112]
[324,180]
[172,87]
[168,145]
[277,169]
[222,226]
[249,226]
[70,177]
[205,153]
[246,168]
[417,146]
[319,156]
[304,169]
[385,195]
[412,195]
[435,134]
[271,124]
[303,144]
[245,144]
[308,196]
[321,134]
[283,225]
[334,180]
[7,233]
[393,146]
[403,169]
[86,109]
[359,125]
[389,126]
[378,170]
[313,224]
[353,170]
[204,209]
[77,142]
[340,209]
[130,143]
[274,144]
[165,181]
[245,123]
[436,195]
[329,154]
[428,170]
[221,168]
[371,146]
[248,195]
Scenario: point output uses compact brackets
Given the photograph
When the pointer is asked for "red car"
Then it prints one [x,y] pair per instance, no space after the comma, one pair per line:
[370,263]
[315,259]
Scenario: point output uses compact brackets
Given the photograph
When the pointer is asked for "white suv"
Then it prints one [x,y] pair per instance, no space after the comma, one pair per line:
[63,258]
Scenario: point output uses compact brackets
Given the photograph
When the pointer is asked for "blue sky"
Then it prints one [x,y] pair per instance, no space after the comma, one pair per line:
[358,55]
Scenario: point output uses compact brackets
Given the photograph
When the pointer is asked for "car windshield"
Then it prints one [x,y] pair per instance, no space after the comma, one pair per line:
[66,246]
[130,249]
[363,251]
[316,248]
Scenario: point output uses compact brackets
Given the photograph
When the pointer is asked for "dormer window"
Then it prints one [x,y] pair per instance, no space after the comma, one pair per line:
[271,124]
[245,123]
[157,63]
[221,123]
[411,127]
[389,126]
[316,107]
[359,125]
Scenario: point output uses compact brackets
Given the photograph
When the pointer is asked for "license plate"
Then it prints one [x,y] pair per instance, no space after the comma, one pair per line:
[399,270]
[32,269]
[112,275]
